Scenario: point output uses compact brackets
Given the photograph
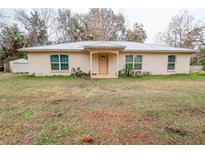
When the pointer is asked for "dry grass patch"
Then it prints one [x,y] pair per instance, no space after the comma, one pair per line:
[119,126]
[65,110]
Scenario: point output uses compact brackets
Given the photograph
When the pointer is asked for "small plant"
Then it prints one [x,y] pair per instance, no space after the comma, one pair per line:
[132,73]
[126,73]
[121,73]
[89,74]
[138,74]
[32,75]
[203,66]
[1,68]
[79,73]
[146,73]
[76,72]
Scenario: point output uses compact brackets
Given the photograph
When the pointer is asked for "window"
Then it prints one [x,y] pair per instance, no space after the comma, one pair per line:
[129,62]
[133,62]
[64,62]
[54,62]
[171,62]
[59,62]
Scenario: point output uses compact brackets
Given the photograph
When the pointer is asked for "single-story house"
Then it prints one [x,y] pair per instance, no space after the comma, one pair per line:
[19,65]
[104,59]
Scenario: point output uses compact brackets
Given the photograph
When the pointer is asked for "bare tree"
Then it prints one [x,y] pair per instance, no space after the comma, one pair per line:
[138,33]
[68,27]
[2,18]
[183,31]
[71,27]
[104,24]
[62,21]
[197,35]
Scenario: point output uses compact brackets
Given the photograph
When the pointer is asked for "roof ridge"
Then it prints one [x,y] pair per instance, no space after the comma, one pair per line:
[104,43]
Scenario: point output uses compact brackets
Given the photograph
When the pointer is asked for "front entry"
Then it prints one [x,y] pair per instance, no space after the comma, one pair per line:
[103,64]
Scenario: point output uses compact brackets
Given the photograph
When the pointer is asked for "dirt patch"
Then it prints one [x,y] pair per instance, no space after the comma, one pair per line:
[177,131]
[113,90]
[145,136]
[102,116]
[192,111]
[27,140]
[149,118]
[58,101]
[1,142]
[44,117]
[67,101]
[119,126]
[56,114]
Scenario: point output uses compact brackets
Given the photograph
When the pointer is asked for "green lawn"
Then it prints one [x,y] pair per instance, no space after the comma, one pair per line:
[65,110]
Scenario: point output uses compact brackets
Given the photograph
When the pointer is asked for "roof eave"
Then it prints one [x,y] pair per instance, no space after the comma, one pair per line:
[45,50]
[104,47]
[122,48]
[161,51]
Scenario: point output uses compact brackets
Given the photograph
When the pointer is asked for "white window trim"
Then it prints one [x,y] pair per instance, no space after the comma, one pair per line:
[171,70]
[133,62]
[59,63]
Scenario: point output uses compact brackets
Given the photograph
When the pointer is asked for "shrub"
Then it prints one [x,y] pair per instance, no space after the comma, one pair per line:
[132,73]
[126,73]
[79,73]
[138,74]
[1,68]
[203,68]
[146,73]
[121,73]
[32,75]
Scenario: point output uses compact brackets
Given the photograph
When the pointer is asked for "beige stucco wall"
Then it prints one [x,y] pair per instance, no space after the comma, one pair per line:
[155,63]
[39,63]
[95,63]
[112,64]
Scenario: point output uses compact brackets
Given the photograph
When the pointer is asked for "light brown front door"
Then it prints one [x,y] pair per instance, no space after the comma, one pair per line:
[103,64]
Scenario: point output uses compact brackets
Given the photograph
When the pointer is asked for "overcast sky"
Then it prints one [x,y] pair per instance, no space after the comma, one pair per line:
[154,20]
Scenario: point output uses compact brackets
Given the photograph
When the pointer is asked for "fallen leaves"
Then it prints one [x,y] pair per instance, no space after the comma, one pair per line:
[87,139]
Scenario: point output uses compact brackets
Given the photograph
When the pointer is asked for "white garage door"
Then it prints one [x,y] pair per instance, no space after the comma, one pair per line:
[20,67]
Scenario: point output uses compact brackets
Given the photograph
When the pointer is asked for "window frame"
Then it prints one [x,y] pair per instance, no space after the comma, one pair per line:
[133,62]
[171,63]
[54,63]
[64,62]
[59,62]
